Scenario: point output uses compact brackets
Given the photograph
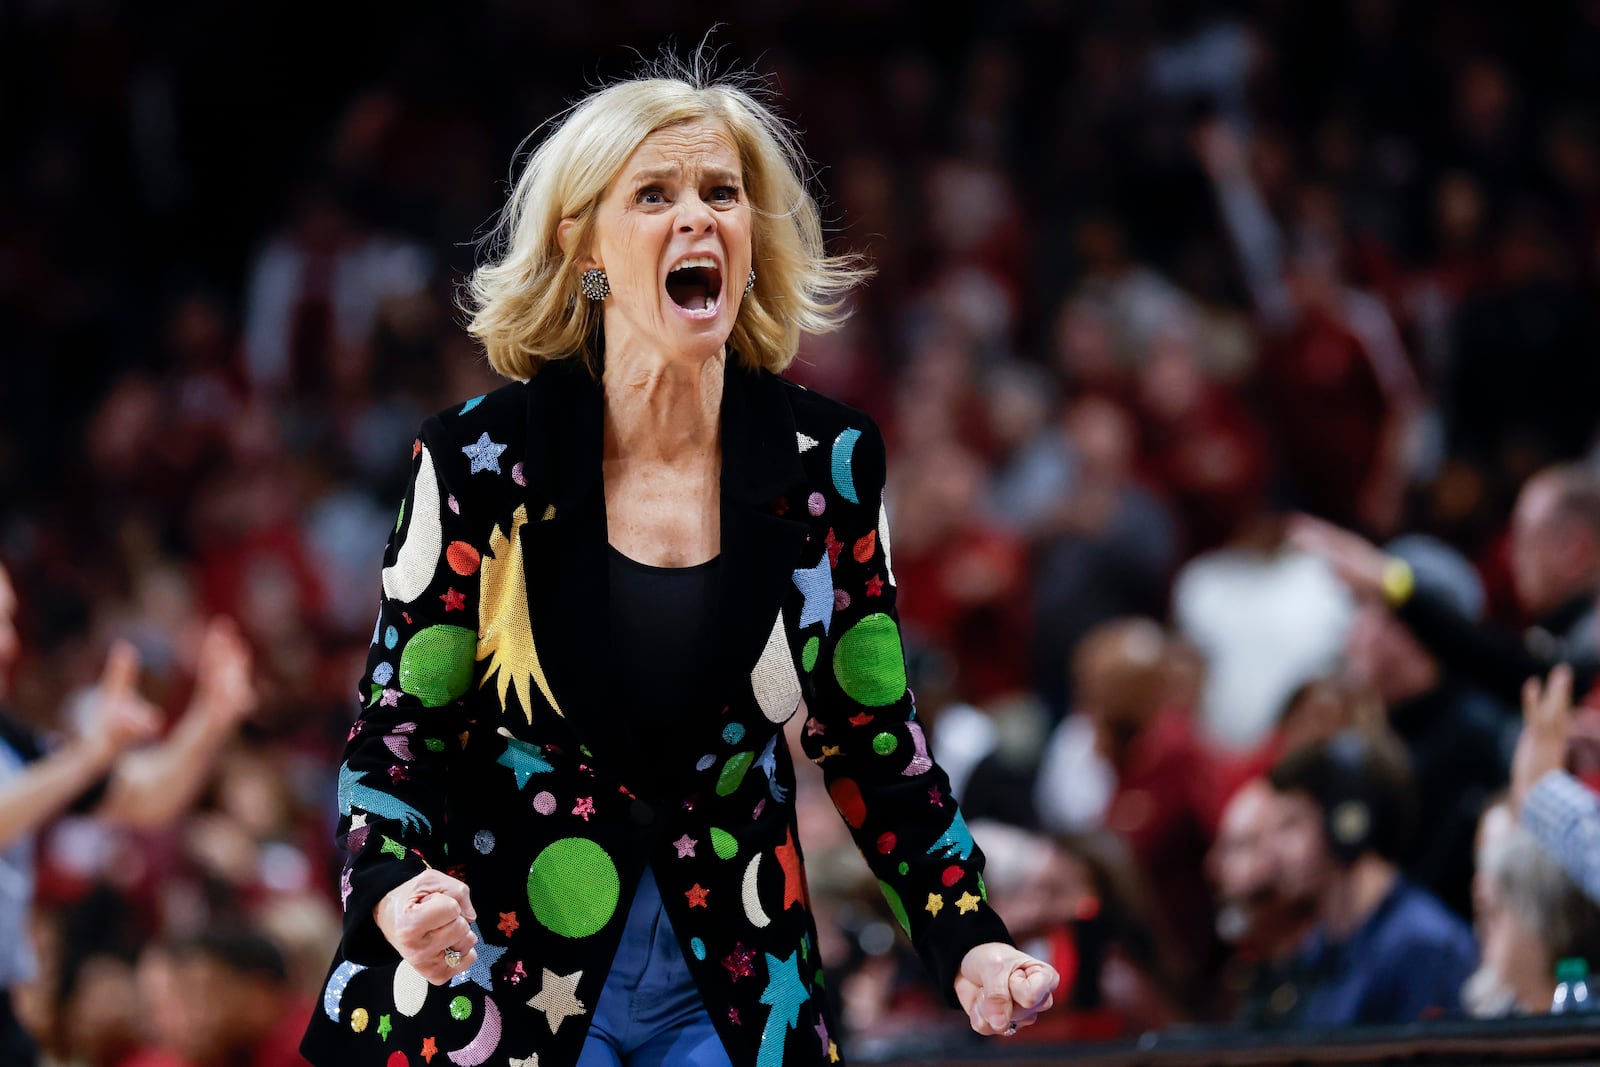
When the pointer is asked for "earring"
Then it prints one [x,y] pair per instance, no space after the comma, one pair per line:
[750,282]
[594,283]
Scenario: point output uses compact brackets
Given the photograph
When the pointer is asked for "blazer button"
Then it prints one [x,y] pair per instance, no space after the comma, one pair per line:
[641,813]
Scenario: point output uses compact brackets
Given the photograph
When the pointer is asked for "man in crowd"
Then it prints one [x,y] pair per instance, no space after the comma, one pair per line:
[1457,739]
[1256,919]
[1382,949]
[1555,565]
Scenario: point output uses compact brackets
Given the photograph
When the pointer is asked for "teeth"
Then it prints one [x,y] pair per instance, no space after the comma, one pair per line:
[695,261]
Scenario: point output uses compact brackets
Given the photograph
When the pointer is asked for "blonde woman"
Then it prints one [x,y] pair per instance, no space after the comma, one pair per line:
[567,802]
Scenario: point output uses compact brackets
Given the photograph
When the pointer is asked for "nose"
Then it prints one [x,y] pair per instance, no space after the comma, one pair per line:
[695,215]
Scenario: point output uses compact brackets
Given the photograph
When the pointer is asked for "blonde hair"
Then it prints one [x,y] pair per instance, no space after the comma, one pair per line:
[524,302]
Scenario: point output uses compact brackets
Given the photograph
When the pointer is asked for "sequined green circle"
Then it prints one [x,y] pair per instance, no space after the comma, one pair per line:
[460,1009]
[869,663]
[808,655]
[436,666]
[885,744]
[905,868]
[573,887]
[723,844]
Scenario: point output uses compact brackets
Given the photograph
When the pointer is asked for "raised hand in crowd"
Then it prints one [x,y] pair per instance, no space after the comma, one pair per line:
[118,719]
[1359,563]
[1546,727]
[154,785]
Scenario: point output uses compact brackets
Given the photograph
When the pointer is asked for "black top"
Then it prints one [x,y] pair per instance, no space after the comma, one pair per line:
[662,622]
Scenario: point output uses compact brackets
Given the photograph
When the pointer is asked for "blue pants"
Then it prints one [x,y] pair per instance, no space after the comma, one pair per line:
[650,1013]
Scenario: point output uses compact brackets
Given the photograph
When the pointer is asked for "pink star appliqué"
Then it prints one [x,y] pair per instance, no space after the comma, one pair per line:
[935,797]
[453,600]
[685,846]
[584,807]
[814,728]
[874,586]
[738,962]
[391,698]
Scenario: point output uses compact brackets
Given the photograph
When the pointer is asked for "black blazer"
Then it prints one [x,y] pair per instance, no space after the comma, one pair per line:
[475,753]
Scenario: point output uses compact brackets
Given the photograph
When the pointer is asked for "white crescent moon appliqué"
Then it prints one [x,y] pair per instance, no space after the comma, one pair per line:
[752,901]
[774,680]
[883,541]
[334,993]
[481,1047]
[418,558]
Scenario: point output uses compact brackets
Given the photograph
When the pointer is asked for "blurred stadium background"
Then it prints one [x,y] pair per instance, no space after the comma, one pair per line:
[1151,277]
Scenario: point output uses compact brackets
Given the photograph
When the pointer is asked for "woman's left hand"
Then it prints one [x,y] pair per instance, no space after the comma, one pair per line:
[1000,986]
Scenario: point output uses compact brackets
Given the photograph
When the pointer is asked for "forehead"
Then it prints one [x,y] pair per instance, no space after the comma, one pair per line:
[694,145]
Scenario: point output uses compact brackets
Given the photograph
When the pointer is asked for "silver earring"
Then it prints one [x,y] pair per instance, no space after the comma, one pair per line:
[750,282]
[594,283]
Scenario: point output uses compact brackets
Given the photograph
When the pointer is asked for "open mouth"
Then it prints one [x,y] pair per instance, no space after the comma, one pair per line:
[695,284]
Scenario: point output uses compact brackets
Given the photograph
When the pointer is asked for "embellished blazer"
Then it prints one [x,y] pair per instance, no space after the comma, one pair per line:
[476,751]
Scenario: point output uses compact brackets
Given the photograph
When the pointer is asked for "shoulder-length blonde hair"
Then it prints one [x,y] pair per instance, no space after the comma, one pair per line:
[524,301]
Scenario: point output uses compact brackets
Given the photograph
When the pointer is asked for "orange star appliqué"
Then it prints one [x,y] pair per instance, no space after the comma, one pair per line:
[508,923]
[429,1049]
[794,886]
[697,896]
[453,600]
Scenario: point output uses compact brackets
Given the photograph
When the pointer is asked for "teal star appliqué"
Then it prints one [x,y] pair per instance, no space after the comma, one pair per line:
[785,993]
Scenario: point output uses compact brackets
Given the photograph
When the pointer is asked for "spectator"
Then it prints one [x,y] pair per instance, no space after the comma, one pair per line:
[1267,619]
[1107,549]
[1335,377]
[250,1016]
[1458,741]
[1529,915]
[1260,923]
[1129,760]
[148,787]
[1555,555]
[1383,950]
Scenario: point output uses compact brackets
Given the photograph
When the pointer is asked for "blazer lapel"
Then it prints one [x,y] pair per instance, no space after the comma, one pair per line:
[564,539]
[763,533]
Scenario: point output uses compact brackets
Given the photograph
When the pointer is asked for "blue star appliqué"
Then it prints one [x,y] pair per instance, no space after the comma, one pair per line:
[488,956]
[485,454]
[816,584]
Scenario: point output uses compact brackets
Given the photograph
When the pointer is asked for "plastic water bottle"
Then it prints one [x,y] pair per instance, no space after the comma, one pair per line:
[1572,988]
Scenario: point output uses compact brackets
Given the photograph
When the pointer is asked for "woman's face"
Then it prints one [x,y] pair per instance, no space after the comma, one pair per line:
[673,236]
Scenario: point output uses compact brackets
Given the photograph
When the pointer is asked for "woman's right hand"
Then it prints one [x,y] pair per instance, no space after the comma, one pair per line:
[425,917]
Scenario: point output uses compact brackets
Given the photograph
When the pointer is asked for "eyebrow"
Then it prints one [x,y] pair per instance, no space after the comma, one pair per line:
[716,174]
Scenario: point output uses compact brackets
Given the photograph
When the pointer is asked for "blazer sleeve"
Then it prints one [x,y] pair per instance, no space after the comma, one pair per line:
[864,733]
[392,778]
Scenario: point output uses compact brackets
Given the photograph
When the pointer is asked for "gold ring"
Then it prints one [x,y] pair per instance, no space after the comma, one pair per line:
[452,958]
[1011,1027]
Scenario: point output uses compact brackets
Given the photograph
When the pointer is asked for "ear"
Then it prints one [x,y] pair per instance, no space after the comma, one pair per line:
[566,233]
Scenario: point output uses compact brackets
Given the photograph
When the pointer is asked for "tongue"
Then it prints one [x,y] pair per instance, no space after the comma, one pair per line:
[693,295]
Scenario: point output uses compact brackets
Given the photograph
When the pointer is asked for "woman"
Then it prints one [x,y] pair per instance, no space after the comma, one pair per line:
[611,584]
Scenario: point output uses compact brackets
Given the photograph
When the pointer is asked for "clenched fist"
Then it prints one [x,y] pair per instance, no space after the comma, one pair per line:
[426,919]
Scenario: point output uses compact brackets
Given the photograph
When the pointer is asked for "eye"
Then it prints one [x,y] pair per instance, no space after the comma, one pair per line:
[725,194]
[650,194]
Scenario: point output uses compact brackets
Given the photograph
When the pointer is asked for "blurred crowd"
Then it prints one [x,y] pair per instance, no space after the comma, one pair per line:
[1239,368]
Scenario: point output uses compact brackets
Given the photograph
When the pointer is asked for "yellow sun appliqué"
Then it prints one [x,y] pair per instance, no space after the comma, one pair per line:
[505,631]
